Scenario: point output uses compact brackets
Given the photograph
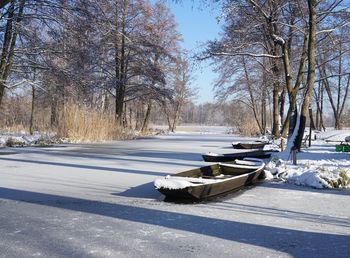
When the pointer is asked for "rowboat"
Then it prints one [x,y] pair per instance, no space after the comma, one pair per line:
[208,181]
[214,157]
[249,145]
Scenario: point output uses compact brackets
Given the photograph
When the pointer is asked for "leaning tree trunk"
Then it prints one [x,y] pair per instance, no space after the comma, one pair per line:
[176,117]
[276,113]
[311,73]
[147,116]
[167,115]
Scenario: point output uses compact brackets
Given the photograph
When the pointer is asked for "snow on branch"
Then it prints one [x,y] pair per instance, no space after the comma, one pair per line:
[241,54]
[333,29]
[279,40]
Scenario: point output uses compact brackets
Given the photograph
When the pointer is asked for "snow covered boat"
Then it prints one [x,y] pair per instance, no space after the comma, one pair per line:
[208,181]
[249,145]
[214,157]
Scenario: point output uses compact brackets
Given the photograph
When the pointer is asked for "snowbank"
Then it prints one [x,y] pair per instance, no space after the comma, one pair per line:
[18,140]
[313,173]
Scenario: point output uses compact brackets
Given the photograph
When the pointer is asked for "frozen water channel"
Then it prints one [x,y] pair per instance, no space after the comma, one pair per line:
[97,200]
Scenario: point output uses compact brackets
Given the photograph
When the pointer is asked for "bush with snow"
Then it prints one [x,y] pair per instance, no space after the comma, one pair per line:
[15,142]
[310,174]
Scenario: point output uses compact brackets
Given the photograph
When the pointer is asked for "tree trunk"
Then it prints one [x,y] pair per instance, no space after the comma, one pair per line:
[147,116]
[9,42]
[120,63]
[263,109]
[31,126]
[337,123]
[130,118]
[2,91]
[54,120]
[321,109]
[176,117]
[167,115]
[276,113]
[290,121]
[311,73]
[138,117]
[282,101]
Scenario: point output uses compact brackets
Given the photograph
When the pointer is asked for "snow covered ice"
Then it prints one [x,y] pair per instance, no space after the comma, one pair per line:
[98,200]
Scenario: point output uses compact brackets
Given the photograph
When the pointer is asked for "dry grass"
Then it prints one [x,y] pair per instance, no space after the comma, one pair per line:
[248,127]
[82,124]
[14,128]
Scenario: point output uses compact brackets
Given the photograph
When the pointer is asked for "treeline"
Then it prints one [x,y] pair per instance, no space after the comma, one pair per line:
[293,54]
[119,63]
[235,115]
[62,61]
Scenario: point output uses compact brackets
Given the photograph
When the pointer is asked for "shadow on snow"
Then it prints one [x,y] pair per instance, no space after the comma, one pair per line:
[297,243]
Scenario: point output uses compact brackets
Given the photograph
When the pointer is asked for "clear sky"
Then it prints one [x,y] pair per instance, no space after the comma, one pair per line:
[197,24]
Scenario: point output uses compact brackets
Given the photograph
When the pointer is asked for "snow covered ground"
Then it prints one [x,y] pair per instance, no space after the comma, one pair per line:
[319,166]
[98,200]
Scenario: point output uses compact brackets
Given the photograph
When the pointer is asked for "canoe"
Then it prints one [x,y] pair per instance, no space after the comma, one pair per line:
[209,181]
[249,145]
[214,157]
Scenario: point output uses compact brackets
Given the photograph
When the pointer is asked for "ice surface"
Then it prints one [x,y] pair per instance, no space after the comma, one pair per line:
[98,200]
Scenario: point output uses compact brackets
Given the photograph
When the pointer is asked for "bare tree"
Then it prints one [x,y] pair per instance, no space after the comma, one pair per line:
[12,27]
[183,91]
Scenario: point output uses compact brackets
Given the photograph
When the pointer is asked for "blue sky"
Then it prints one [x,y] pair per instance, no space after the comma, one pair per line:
[197,24]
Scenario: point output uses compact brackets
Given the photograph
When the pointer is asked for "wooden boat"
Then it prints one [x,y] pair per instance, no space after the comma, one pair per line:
[249,145]
[208,181]
[214,157]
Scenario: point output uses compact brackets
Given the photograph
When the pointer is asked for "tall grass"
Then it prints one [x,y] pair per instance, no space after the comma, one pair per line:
[84,124]
[248,127]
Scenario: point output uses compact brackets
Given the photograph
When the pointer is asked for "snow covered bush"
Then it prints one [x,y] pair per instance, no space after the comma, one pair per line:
[310,174]
[338,179]
[15,142]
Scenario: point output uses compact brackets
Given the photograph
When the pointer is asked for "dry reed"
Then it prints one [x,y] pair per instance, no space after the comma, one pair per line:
[83,124]
[248,127]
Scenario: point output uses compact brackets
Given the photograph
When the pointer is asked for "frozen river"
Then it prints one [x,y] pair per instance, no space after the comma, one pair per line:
[98,200]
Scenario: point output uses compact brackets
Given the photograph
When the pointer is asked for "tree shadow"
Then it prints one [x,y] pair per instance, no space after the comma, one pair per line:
[288,214]
[7,153]
[146,191]
[127,157]
[297,243]
[109,169]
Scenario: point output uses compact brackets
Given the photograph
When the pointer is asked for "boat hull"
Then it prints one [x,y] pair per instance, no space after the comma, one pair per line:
[239,155]
[235,177]
[207,191]
[245,146]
